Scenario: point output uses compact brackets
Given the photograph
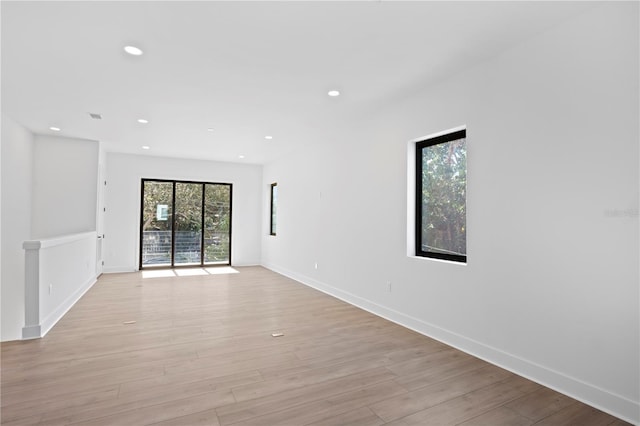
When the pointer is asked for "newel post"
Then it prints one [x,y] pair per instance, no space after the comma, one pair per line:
[31,329]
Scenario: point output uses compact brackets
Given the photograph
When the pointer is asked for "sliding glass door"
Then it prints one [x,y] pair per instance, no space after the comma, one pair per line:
[217,223]
[157,224]
[185,224]
[187,236]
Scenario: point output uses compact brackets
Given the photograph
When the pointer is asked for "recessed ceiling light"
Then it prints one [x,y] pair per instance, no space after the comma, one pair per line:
[210,129]
[132,50]
[55,129]
[268,137]
[146,147]
[143,121]
[333,93]
[240,156]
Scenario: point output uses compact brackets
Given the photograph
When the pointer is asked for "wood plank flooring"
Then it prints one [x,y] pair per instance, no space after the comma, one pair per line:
[200,352]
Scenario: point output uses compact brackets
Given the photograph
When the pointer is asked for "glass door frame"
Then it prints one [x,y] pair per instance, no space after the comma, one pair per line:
[173,224]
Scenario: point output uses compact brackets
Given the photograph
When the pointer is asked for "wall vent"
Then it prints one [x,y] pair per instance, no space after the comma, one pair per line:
[95,116]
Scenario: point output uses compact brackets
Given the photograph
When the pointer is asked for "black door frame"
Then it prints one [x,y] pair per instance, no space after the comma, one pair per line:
[173,222]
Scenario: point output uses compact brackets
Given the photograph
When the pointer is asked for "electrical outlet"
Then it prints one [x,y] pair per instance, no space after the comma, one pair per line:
[389,286]
[50,288]
[316,265]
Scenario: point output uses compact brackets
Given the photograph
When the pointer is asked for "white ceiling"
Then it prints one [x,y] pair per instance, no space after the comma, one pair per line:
[245,69]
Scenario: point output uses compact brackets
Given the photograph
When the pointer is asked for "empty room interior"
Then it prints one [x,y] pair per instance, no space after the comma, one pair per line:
[320,213]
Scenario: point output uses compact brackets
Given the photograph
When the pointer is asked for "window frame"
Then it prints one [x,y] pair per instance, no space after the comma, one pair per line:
[272,230]
[419,146]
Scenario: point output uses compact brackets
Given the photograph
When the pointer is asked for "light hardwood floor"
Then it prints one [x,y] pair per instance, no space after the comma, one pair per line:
[201,353]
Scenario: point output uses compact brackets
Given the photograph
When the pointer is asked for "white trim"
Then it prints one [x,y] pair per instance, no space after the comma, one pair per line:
[56,241]
[594,396]
[32,245]
[433,259]
[411,198]
[31,332]
[435,135]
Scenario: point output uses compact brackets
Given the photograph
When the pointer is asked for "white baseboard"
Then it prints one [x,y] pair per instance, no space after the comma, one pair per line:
[594,396]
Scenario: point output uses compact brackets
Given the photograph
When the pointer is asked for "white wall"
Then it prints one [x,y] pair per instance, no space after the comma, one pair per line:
[65,174]
[0,237]
[551,285]
[122,200]
[17,154]
[1,248]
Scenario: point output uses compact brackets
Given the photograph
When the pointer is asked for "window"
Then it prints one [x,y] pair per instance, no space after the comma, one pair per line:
[441,189]
[274,204]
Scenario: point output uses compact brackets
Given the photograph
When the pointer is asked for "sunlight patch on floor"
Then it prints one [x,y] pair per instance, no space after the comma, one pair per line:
[188,272]
[160,273]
